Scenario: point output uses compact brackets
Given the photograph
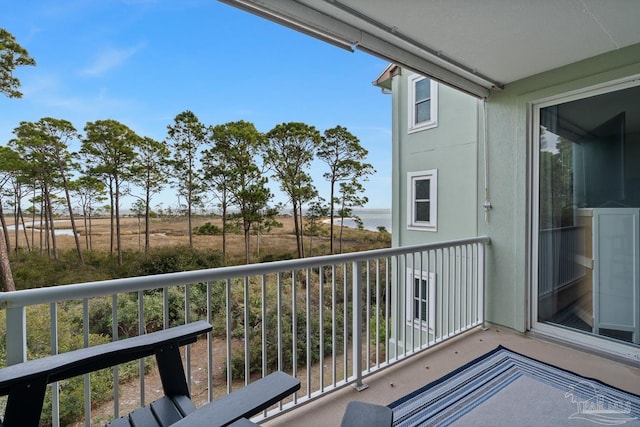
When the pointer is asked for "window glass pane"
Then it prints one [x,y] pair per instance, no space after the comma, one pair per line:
[423,90]
[417,292]
[423,211]
[423,111]
[423,314]
[422,189]
[589,203]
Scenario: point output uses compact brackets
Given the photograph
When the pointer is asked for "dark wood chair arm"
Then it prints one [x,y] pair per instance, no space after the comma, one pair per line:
[25,383]
[243,403]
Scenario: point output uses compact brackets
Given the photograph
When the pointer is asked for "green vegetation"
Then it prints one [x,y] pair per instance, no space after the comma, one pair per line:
[207,229]
[33,270]
[230,163]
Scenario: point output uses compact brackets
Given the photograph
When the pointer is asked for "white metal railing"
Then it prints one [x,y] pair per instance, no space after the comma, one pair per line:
[560,249]
[339,317]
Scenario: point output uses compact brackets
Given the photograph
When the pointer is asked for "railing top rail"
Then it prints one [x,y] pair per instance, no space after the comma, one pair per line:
[59,293]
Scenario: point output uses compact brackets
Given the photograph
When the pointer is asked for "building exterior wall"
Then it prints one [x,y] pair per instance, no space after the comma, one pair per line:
[510,175]
[452,149]
[457,150]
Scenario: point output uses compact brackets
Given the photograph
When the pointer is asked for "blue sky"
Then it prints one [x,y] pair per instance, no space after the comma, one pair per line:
[142,62]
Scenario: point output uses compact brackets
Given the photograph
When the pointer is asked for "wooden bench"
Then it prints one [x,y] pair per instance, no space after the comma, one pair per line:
[26,383]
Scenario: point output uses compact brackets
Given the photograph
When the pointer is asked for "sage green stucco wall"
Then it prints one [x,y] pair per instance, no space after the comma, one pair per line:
[509,156]
[452,149]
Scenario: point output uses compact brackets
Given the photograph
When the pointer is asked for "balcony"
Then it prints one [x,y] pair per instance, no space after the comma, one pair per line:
[365,321]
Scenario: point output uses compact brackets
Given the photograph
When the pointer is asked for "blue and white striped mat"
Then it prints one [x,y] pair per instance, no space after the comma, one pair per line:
[503,388]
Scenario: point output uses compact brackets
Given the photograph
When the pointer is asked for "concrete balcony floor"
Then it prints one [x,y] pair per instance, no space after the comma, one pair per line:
[394,382]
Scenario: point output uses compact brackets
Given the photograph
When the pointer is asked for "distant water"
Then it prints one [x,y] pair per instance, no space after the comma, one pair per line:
[371,219]
[58,231]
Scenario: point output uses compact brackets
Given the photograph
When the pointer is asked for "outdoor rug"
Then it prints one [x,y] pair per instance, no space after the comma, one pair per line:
[504,388]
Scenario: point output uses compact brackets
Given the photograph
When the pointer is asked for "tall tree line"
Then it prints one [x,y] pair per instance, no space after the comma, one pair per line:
[12,55]
[227,165]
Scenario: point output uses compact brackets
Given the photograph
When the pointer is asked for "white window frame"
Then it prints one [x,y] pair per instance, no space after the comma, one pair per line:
[411,317]
[414,126]
[412,223]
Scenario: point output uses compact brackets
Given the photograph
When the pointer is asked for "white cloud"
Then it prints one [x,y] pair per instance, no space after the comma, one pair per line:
[109,59]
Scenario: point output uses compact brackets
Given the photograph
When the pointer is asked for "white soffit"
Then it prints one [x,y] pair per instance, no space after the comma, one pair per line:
[475,45]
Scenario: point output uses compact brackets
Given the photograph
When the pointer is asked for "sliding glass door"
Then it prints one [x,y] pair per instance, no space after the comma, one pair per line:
[588,231]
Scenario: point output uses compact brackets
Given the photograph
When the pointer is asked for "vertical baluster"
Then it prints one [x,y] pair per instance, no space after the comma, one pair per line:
[321,324]
[368,318]
[114,335]
[308,321]
[294,329]
[356,288]
[481,280]
[409,291]
[387,307]
[333,325]
[210,370]
[455,288]
[141,330]
[469,264]
[421,297]
[247,338]
[345,329]
[16,335]
[264,324]
[165,307]
[378,313]
[398,306]
[463,287]
[86,377]
[55,395]
[430,296]
[228,318]
[472,286]
[263,309]
[440,290]
[187,319]
[279,311]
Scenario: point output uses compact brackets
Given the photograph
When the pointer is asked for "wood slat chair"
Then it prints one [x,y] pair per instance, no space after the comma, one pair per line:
[25,383]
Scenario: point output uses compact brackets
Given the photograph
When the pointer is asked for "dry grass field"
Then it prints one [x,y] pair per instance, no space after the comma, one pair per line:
[173,231]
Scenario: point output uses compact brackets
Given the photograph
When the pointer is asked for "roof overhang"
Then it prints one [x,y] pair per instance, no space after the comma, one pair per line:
[474,45]
[384,79]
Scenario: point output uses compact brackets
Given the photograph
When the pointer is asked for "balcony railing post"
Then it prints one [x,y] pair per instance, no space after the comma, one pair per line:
[482,279]
[357,311]
[16,335]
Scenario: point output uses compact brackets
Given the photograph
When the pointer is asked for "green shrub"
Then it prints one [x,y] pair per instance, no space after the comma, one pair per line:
[287,339]
[270,257]
[207,229]
[180,258]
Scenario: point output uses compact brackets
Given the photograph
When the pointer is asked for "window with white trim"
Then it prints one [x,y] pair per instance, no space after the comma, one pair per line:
[421,298]
[422,209]
[423,103]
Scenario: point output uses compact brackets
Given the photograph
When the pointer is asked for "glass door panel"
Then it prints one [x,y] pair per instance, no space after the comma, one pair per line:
[589,206]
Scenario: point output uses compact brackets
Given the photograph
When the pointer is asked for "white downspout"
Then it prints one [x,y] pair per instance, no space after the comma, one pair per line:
[487,203]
